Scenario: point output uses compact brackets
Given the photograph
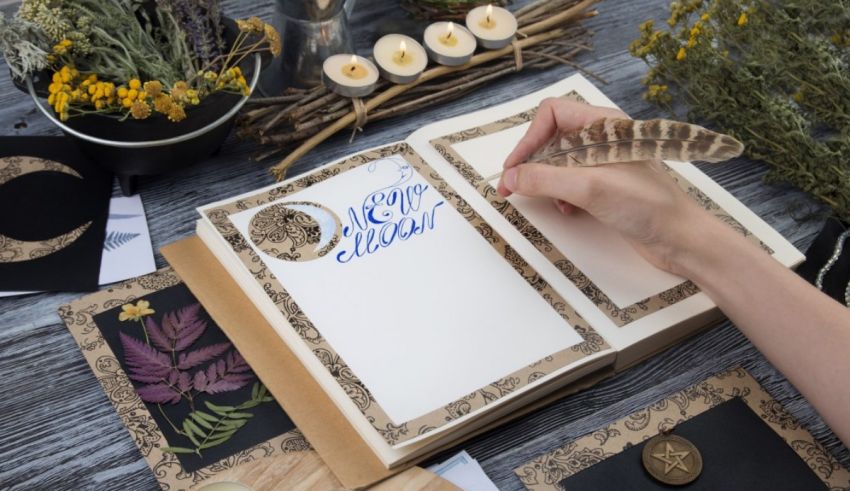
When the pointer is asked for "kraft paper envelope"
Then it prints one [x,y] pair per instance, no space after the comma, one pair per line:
[313,412]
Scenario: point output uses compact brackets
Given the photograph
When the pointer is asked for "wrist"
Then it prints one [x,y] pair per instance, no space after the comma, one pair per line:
[703,247]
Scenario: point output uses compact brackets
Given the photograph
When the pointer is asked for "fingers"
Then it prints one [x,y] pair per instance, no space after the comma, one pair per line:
[556,114]
[575,185]
[564,207]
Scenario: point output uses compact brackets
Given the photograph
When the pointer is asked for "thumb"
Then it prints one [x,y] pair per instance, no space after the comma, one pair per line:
[575,185]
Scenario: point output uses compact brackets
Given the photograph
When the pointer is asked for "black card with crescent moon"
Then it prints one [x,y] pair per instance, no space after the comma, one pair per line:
[54,204]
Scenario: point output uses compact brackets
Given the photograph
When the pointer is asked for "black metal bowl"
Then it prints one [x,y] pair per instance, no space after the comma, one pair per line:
[152,146]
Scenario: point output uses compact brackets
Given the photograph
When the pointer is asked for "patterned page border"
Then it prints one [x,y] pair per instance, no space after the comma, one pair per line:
[398,433]
[545,472]
[619,315]
[79,317]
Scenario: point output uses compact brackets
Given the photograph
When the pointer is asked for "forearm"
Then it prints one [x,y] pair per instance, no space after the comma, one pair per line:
[803,332]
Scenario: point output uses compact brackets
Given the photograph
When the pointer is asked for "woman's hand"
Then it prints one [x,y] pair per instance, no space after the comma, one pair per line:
[800,330]
[639,199]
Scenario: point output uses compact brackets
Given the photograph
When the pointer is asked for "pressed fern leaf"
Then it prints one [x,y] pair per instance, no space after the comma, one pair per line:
[115,239]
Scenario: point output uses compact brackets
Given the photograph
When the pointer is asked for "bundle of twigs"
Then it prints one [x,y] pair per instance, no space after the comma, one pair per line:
[445,9]
[549,34]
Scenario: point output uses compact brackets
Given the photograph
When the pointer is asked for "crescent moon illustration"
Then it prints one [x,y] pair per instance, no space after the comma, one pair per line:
[295,231]
[14,250]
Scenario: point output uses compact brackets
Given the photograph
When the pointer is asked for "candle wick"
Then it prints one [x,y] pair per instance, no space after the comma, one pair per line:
[488,19]
[402,54]
[352,68]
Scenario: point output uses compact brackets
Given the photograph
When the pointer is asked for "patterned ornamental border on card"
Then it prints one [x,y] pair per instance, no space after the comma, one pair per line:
[619,315]
[546,471]
[354,388]
[79,318]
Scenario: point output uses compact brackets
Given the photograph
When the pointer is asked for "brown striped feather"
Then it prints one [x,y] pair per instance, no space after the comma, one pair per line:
[612,140]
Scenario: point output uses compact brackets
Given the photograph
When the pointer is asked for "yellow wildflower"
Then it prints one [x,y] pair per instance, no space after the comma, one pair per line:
[122,92]
[743,19]
[178,92]
[140,110]
[153,88]
[62,47]
[210,75]
[135,84]
[176,113]
[127,102]
[273,38]
[681,54]
[704,17]
[130,312]
[162,103]
[192,97]
[254,25]
[132,94]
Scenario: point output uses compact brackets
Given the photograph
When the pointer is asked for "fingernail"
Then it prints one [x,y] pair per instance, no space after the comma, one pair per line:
[509,178]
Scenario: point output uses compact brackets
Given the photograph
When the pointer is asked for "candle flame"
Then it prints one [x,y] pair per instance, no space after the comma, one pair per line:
[402,46]
[450,29]
[353,60]
[489,11]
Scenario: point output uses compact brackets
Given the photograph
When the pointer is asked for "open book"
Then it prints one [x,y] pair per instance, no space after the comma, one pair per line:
[426,306]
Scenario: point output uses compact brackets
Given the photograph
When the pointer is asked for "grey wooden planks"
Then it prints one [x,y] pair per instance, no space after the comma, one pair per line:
[58,431]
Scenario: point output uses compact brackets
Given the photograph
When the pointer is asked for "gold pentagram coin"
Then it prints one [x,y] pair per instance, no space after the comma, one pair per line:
[672,459]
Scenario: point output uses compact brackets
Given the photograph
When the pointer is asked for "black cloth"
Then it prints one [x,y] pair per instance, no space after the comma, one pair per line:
[739,452]
[835,281]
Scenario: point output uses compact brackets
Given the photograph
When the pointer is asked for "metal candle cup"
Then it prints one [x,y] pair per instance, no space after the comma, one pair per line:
[400,58]
[349,75]
[493,27]
[448,43]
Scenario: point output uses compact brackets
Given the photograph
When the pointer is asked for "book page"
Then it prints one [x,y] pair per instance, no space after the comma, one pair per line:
[625,298]
[420,311]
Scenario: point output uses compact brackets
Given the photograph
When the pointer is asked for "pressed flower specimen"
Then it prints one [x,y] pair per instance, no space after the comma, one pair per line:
[169,367]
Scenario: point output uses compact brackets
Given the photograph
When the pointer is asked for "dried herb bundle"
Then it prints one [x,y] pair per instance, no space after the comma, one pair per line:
[774,74]
[549,31]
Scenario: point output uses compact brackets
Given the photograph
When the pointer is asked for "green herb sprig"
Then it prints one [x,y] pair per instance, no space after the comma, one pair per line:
[774,74]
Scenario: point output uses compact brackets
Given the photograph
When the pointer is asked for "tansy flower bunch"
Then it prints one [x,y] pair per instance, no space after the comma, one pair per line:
[73,93]
[773,73]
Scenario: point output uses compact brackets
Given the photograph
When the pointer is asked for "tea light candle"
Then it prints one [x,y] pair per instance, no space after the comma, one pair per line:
[349,75]
[448,43]
[493,27]
[400,58]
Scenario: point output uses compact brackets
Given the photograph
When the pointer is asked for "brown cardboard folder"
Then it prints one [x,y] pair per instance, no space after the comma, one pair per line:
[312,411]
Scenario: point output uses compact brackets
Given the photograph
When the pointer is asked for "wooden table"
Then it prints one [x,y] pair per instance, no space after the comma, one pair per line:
[58,431]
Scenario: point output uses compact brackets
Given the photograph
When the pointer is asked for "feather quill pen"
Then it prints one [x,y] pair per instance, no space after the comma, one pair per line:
[613,140]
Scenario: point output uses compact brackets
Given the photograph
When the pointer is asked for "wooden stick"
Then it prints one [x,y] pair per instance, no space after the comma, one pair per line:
[535,36]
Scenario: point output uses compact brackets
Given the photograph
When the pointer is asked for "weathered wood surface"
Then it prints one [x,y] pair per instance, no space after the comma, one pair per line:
[58,431]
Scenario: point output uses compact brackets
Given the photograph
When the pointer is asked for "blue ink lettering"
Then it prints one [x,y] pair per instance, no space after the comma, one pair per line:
[392,213]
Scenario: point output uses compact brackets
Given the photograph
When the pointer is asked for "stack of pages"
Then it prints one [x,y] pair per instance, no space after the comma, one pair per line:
[427,307]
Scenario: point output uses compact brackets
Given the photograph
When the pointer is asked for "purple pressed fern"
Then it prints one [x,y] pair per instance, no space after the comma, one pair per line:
[230,373]
[162,365]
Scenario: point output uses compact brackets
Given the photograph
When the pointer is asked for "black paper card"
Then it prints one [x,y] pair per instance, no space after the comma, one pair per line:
[54,204]
[739,452]
[836,279]
[265,421]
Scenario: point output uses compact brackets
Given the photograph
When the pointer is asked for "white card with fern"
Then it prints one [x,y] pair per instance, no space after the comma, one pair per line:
[127,250]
